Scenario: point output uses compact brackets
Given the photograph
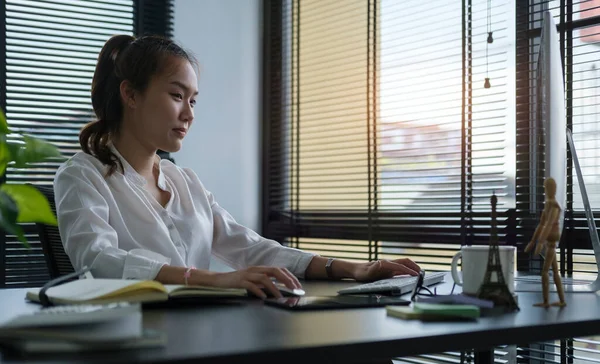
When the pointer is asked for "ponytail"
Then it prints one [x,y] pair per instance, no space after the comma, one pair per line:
[95,137]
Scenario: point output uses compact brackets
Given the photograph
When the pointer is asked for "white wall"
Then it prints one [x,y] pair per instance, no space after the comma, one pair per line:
[223,145]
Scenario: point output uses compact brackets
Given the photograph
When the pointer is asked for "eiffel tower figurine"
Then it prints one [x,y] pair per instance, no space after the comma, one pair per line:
[496,291]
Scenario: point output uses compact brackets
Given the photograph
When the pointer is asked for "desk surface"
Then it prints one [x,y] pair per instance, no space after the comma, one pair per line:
[255,332]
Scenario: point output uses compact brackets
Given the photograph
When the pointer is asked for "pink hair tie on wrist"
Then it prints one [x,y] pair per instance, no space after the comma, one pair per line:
[187,274]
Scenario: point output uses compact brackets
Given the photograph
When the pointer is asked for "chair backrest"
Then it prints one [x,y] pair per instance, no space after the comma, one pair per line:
[57,260]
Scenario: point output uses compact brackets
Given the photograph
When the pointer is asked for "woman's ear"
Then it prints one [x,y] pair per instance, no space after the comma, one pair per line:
[128,94]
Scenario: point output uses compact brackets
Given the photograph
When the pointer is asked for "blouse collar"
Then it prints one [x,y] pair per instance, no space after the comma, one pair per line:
[133,176]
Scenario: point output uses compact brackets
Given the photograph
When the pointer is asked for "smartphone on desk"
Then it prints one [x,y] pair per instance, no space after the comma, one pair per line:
[335,302]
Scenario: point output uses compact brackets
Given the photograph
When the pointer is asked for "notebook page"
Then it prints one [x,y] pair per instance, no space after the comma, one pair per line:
[88,289]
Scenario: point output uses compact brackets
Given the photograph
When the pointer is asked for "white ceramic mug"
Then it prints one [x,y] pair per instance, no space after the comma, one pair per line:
[474,266]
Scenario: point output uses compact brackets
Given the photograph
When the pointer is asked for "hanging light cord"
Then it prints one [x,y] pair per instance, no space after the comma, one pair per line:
[489,16]
[490,39]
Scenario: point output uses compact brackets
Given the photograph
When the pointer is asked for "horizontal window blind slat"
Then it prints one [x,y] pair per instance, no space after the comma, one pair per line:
[45,77]
[43,52]
[26,32]
[37,66]
[43,48]
[62,87]
[23,38]
[25,98]
[78,61]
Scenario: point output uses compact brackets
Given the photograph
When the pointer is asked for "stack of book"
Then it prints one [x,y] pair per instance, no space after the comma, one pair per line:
[442,308]
[79,328]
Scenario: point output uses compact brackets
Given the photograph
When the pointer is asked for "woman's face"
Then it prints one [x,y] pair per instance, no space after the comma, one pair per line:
[163,113]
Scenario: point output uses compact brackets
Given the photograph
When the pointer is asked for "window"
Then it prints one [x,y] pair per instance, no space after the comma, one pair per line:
[381,139]
[49,52]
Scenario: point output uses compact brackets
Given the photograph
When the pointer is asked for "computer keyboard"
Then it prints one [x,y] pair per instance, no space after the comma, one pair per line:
[394,286]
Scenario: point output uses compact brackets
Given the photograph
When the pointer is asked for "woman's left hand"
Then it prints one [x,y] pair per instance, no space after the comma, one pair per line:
[381,269]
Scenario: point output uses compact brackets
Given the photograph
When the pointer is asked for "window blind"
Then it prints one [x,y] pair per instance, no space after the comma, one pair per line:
[578,27]
[380,139]
[49,53]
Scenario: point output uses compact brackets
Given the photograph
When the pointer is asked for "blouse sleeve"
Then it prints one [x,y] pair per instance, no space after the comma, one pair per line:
[241,247]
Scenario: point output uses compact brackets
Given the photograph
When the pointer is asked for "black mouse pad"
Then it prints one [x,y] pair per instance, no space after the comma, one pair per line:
[334,302]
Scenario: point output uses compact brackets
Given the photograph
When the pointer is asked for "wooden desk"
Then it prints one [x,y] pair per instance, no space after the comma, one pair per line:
[255,333]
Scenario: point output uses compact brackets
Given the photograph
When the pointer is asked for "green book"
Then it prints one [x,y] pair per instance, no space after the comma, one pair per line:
[466,311]
[433,311]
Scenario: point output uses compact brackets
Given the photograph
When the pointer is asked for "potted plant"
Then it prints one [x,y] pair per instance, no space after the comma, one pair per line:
[20,203]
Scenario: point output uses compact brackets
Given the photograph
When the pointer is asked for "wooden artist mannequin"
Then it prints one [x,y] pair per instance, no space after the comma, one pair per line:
[547,234]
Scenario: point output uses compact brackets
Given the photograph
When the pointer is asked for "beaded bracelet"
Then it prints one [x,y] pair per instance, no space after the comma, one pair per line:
[187,274]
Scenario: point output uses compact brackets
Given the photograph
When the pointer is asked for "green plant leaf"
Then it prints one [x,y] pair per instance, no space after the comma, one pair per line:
[33,150]
[32,205]
[3,124]
[16,154]
[37,150]
[5,155]
[9,217]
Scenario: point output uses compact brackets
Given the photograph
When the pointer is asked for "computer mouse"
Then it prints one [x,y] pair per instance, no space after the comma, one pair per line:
[285,291]
[289,292]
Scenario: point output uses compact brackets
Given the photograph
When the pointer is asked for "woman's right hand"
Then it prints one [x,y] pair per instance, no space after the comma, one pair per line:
[253,279]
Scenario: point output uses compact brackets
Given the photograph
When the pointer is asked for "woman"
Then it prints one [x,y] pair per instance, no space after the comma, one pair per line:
[127,214]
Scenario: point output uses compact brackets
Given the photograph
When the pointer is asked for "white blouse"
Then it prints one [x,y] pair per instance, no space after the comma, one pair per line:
[116,227]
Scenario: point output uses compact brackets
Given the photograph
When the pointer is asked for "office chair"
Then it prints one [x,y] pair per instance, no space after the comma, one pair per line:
[57,260]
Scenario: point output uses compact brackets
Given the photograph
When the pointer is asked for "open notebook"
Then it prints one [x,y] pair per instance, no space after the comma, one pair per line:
[115,290]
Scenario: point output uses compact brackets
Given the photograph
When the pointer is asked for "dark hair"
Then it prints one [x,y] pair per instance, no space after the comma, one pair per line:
[123,57]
